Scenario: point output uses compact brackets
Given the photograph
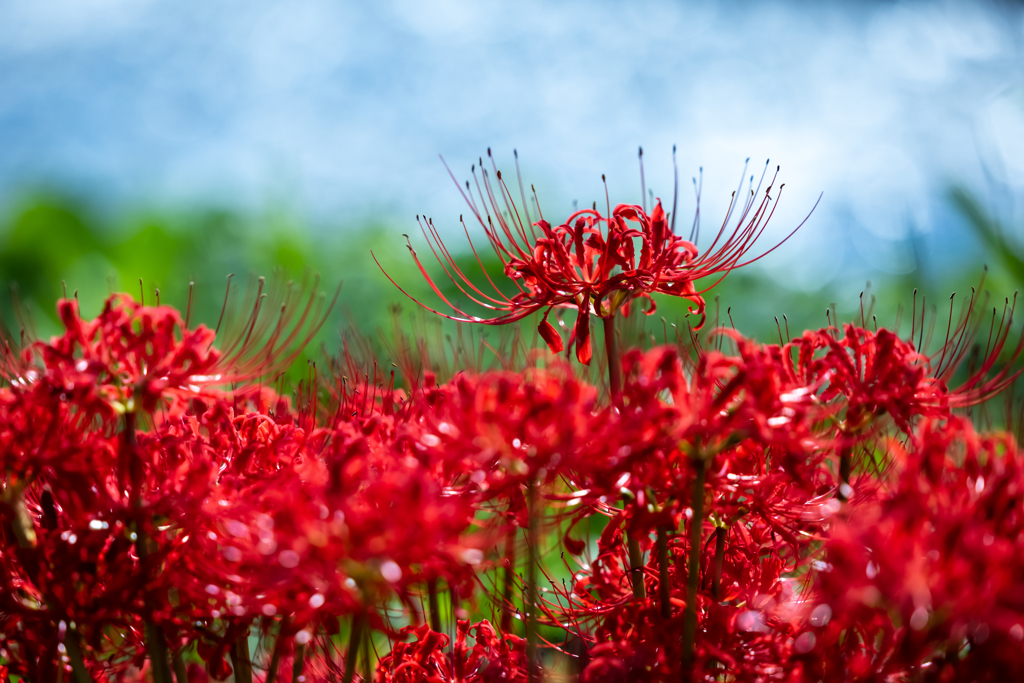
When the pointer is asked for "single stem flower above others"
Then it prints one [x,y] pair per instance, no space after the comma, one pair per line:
[596,263]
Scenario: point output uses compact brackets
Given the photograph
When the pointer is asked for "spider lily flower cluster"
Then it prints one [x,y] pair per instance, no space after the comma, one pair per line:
[589,262]
[812,510]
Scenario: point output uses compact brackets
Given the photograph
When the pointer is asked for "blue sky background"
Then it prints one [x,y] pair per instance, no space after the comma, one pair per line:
[339,110]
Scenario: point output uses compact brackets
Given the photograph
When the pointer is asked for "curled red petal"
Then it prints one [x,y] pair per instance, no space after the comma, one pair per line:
[583,349]
[574,546]
[651,306]
[550,335]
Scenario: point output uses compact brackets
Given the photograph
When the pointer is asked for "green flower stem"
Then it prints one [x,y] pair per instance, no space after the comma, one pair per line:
[664,588]
[299,662]
[181,674]
[275,655]
[611,347]
[156,647]
[845,464]
[354,638]
[240,659]
[435,610]
[716,579]
[156,644]
[510,578]
[453,592]
[531,583]
[636,567]
[73,645]
[693,566]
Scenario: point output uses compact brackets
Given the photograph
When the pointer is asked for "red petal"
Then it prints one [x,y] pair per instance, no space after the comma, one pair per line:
[67,309]
[550,335]
[652,307]
[574,546]
[583,350]
[658,214]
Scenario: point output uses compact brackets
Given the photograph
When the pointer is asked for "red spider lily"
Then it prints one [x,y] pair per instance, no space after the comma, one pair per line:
[940,549]
[132,353]
[499,438]
[990,372]
[88,554]
[134,357]
[747,630]
[589,262]
[878,373]
[874,373]
[308,525]
[494,432]
[671,412]
[754,429]
[142,504]
[490,659]
[866,375]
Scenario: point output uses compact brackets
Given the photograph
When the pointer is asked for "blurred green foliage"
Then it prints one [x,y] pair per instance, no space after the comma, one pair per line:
[50,240]
[1008,252]
[50,243]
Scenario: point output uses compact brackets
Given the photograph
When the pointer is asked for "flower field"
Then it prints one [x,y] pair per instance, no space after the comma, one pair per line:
[683,504]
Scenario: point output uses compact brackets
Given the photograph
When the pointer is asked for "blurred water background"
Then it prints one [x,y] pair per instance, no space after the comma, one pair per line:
[178,142]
